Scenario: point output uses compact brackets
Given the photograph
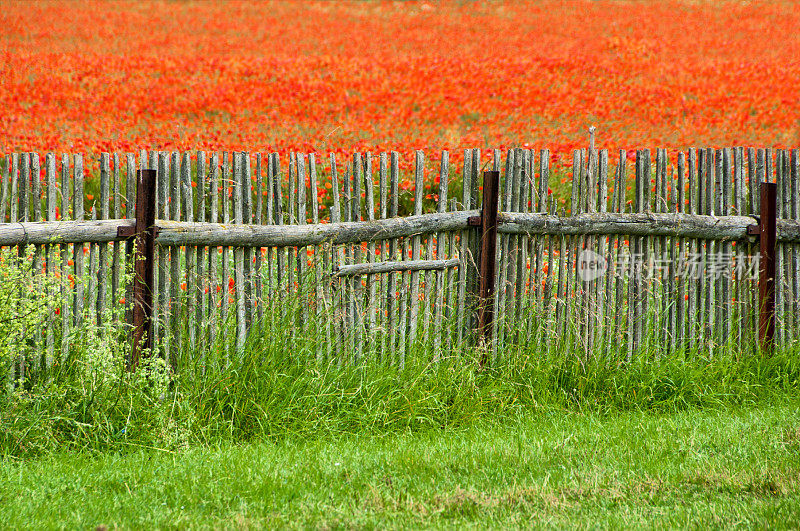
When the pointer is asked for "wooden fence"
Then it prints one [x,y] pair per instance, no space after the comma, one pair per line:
[648,254]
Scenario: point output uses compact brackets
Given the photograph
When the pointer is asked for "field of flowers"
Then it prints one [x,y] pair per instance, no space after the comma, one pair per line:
[324,76]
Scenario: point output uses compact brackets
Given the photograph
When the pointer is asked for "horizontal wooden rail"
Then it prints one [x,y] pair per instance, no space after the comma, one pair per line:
[219,234]
[177,233]
[44,232]
[642,224]
[390,267]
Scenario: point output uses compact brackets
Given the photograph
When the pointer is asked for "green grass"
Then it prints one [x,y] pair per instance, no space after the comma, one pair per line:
[552,467]
[273,437]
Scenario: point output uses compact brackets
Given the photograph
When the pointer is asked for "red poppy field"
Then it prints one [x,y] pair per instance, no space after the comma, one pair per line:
[89,76]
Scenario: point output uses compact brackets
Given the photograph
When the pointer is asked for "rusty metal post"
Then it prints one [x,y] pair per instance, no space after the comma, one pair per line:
[766,281]
[488,257]
[143,264]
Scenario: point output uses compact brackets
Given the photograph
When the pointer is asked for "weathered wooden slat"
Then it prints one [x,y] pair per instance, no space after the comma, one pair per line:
[225,181]
[779,276]
[620,271]
[261,251]
[502,319]
[357,293]
[213,252]
[247,216]
[104,213]
[415,245]
[66,302]
[4,190]
[321,300]
[78,215]
[602,285]
[394,282]
[520,204]
[339,322]
[692,207]
[444,172]
[116,258]
[36,215]
[680,257]
[544,282]
[466,198]
[385,288]
[637,255]
[161,326]
[787,284]
[371,281]
[238,255]
[302,252]
[93,280]
[50,205]
[271,252]
[795,248]
[13,210]
[753,157]
[715,228]
[394,266]
[661,322]
[282,253]
[707,283]
[187,306]
[348,295]
[199,289]
[175,261]
[291,210]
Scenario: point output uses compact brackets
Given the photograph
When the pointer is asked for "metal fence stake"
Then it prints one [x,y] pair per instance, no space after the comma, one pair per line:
[488,259]
[766,282]
[143,264]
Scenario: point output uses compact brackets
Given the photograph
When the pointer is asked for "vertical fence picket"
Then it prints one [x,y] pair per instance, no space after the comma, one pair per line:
[386,279]
[348,293]
[199,288]
[238,254]
[679,262]
[601,292]
[339,328]
[50,202]
[116,258]
[620,241]
[302,253]
[259,251]
[102,270]
[461,305]
[780,277]
[214,285]
[4,189]
[444,171]
[755,161]
[794,271]
[320,296]
[187,304]
[416,244]
[371,280]
[504,264]
[247,251]
[357,292]
[78,214]
[225,183]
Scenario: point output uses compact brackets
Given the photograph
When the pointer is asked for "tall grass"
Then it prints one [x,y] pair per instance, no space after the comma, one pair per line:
[275,387]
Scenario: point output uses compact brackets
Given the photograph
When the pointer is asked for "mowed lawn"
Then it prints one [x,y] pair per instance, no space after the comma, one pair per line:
[556,468]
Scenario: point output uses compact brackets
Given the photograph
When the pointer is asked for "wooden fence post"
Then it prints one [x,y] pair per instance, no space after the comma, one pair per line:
[143,264]
[488,259]
[766,282]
